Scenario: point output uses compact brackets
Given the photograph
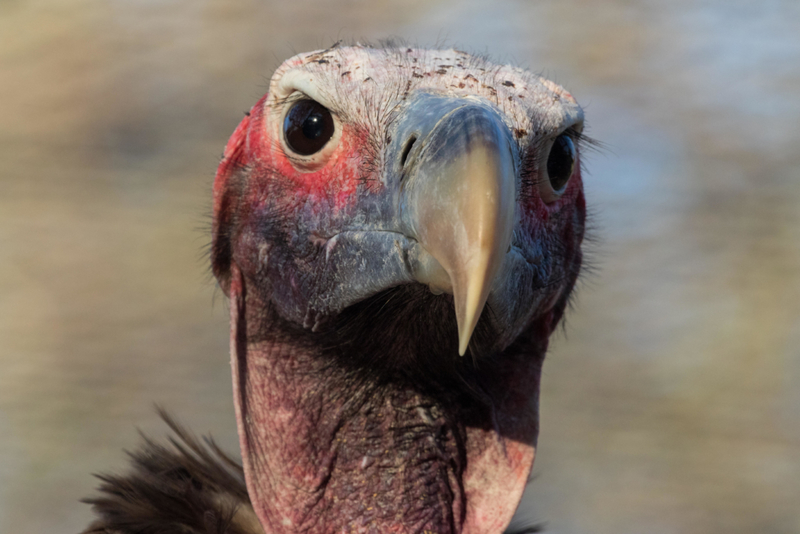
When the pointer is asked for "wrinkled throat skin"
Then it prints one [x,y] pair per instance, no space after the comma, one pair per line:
[327,449]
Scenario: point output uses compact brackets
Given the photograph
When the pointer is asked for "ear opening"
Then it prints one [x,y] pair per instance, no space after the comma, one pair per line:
[227,192]
[221,249]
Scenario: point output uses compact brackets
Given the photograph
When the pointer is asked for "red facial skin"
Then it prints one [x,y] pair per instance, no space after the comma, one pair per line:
[331,186]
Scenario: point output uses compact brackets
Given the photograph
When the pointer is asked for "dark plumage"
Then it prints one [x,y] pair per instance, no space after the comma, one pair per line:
[186,487]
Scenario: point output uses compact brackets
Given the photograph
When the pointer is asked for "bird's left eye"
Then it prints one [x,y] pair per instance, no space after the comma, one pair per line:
[308,127]
[561,162]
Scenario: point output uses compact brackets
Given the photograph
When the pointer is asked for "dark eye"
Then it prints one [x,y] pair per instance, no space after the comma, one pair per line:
[307,127]
[561,162]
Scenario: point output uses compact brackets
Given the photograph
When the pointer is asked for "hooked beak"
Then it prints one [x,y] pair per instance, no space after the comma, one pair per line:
[459,189]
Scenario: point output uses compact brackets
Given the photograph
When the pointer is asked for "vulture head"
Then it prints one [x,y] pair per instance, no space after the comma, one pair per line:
[398,231]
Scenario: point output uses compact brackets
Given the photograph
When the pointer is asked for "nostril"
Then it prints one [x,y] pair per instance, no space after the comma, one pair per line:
[407,150]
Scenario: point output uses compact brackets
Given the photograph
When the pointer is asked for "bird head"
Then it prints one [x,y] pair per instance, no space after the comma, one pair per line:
[398,231]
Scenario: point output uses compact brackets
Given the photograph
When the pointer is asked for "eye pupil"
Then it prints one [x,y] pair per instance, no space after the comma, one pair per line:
[307,127]
[313,126]
[561,161]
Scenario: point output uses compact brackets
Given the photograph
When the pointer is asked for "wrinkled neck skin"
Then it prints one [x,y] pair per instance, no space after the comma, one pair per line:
[324,454]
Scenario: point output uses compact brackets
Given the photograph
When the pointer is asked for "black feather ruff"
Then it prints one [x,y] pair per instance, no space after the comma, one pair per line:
[187,487]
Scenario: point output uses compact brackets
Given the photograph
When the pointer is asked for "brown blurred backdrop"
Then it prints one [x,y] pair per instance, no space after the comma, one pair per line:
[671,405]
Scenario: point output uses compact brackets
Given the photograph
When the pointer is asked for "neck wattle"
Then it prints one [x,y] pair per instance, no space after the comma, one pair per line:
[324,453]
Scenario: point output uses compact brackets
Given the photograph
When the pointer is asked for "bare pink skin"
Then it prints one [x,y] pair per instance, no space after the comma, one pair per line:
[314,464]
[327,453]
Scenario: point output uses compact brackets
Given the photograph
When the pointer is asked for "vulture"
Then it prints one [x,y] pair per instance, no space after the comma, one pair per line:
[398,231]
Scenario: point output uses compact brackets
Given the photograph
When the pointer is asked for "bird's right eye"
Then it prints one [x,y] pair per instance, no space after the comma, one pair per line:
[308,127]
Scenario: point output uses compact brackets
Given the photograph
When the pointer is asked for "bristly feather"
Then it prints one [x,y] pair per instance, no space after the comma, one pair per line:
[187,487]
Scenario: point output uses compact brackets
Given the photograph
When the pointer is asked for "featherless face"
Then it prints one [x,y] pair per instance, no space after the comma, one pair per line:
[398,231]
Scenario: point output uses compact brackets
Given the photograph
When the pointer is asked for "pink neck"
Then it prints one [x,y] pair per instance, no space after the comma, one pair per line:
[323,453]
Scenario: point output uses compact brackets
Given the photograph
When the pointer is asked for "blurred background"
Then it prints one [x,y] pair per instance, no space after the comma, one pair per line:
[671,404]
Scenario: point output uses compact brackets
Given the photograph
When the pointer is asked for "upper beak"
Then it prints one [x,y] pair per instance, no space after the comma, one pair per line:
[458,197]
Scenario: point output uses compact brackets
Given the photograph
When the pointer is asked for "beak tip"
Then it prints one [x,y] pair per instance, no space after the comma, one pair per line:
[463,342]
[468,312]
